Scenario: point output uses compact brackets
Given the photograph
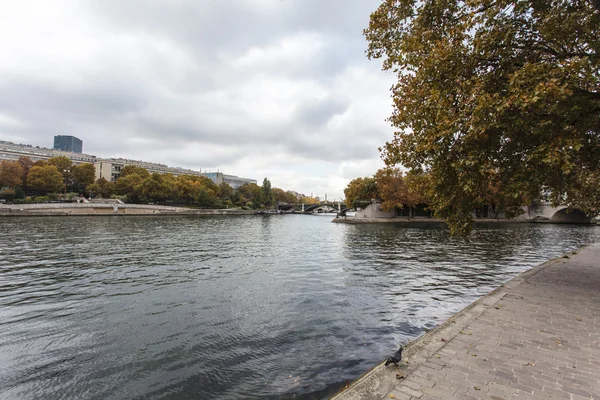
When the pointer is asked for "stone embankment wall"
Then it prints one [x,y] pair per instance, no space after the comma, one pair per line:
[74,209]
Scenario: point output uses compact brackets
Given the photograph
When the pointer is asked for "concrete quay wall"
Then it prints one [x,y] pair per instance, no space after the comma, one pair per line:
[92,209]
[417,220]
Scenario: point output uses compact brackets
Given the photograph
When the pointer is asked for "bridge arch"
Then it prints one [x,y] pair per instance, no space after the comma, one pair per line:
[563,215]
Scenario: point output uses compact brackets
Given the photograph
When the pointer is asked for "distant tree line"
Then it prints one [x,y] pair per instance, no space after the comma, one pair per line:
[28,181]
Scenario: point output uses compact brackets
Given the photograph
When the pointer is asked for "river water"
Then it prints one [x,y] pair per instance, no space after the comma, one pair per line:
[272,306]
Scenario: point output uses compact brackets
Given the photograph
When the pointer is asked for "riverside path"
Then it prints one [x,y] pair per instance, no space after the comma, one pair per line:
[535,337]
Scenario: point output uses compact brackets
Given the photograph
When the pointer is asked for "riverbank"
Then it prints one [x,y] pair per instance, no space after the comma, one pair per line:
[427,220]
[100,209]
[534,337]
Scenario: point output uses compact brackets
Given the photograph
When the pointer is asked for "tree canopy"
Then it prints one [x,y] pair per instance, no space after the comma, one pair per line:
[494,98]
[45,179]
[83,175]
[11,174]
[360,192]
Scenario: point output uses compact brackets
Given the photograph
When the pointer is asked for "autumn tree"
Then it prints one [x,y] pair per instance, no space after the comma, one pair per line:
[360,192]
[281,196]
[26,163]
[188,188]
[132,169]
[392,189]
[249,193]
[45,179]
[493,90]
[308,200]
[11,174]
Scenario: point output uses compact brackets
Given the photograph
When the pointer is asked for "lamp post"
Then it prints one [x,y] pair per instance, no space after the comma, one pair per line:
[66,171]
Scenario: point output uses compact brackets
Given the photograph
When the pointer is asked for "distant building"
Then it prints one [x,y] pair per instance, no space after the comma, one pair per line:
[232,180]
[12,151]
[110,168]
[68,143]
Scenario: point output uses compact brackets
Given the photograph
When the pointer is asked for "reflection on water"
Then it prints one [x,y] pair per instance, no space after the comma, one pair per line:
[234,307]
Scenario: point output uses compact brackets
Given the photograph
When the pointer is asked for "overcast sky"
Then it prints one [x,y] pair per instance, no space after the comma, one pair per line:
[275,88]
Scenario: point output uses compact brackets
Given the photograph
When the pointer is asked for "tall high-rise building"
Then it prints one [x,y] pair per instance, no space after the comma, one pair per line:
[68,143]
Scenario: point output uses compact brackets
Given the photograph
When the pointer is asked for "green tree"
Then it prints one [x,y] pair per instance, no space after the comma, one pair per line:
[7,194]
[101,188]
[207,198]
[132,169]
[45,179]
[249,193]
[11,174]
[154,188]
[225,192]
[83,175]
[496,91]
[130,186]
[266,194]
[62,163]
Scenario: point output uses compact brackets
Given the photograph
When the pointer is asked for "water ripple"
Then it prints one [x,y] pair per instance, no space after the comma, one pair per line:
[234,307]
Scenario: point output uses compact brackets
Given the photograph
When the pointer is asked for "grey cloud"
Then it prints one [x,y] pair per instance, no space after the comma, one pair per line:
[187,85]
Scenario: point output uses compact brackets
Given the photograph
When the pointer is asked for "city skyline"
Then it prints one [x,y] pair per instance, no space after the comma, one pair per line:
[287,94]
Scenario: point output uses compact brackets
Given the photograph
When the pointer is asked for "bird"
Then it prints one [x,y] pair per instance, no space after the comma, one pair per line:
[395,358]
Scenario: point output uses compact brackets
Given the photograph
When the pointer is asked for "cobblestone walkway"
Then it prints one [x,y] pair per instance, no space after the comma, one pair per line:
[540,340]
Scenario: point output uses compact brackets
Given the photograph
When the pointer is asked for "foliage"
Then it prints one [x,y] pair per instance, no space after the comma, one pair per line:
[11,174]
[83,175]
[62,163]
[584,192]
[101,188]
[361,191]
[130,186]
[249,193]
[154,188]
[45,179]
[494,92]
[26,164]
[188,189]
[281,196]
[392,189]
[207,198]
[8,194]
[266,194]
[225,192]
[308,200]
[132,169]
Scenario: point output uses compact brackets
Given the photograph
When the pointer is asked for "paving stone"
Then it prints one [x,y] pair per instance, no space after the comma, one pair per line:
[398,395]
[409,391]
[437,391]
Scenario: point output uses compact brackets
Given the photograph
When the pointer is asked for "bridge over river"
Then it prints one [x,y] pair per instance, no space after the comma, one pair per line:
[312,208]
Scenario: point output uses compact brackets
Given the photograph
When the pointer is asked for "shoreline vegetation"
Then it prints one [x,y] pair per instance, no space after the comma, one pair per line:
[58,180]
